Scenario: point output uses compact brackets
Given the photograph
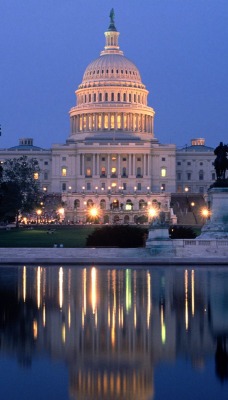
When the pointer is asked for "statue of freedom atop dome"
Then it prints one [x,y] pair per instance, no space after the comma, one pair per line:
[221,161]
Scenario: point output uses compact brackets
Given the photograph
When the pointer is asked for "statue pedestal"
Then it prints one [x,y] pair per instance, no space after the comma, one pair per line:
[217,226]
[159,242]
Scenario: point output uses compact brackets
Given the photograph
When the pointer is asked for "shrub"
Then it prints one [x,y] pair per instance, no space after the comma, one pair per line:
[118,236]
[181,232]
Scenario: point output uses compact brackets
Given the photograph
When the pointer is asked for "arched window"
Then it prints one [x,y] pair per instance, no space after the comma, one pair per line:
[142,204]
[129,205]
[76,203]
[126,219]
[102,204]
[90,203]
[100,96]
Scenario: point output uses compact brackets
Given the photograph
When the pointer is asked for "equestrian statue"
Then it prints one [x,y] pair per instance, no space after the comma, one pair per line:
[221,161]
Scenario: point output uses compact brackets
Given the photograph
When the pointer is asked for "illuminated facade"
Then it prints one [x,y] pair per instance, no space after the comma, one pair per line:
[112,167]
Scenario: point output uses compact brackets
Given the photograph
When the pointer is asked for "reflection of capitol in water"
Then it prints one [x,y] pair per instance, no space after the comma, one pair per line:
[113,326]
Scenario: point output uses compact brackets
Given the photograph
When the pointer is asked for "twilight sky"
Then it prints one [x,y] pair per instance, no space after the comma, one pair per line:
[179,46]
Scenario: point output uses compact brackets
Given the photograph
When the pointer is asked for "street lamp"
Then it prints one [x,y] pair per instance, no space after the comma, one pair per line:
[38,212]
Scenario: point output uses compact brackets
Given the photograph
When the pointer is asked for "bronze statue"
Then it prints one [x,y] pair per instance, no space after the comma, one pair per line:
[112,16]
[221,161]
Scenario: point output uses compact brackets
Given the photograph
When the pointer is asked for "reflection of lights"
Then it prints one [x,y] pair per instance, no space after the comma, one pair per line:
[163,327]
[94,289]
[193,292]
[44,315]
[84,290]
[186,298]
[35,329]
[128,289]
[38,277]
[148,299]
[64,333]
[60,287]
[69,316]
[24,283]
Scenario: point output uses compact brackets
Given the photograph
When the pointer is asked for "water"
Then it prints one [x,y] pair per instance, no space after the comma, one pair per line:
[113,333]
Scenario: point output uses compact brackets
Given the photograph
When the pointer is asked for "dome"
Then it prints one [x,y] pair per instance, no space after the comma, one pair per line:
[112,66]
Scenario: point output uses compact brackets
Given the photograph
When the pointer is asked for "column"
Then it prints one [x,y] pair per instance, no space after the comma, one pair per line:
[129,165]
[83,164]
[144,165]
[94,164]
[108,172]
[119,171]
[134,172]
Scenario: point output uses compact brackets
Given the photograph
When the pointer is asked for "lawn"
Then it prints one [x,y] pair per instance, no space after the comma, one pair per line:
[42,236]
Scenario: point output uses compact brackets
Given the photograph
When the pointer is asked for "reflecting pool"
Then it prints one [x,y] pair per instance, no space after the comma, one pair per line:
[97,333]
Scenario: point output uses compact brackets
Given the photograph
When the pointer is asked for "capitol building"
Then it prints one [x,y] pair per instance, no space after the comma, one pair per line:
[112,166]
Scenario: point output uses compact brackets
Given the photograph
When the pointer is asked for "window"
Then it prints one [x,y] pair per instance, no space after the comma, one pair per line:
[163,172]
[88,158]
[76,203]
[189,176]
[112,97]
[179,176]
[106,96]
[45,162]
[201,163]
[88,186]
[45,176]
[139,172]
[94,97]
[201,190]
[139,186]
[103,171]
[130,98]
[139,159]
[124,97]
[102,204]
[178,163]
[118,96]
[189,163]
[124,186]
[64,171]
[163,187]
[100,96]
[36,175]
[124,171]
[213,176]
[124,159]
[113,171]
[201,175]
[103,185]
[163,158]
[88,172]
[63,187]
[103,159]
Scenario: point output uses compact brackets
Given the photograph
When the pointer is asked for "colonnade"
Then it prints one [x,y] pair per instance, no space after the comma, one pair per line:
[131,164]
[130,122]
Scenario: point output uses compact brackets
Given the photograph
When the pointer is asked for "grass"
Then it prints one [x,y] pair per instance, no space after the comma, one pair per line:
[69,236]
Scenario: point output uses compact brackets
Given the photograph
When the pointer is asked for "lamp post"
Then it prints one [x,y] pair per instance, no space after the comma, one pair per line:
[38,213]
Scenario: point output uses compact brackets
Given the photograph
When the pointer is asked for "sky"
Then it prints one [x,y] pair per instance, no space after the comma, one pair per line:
[179,46]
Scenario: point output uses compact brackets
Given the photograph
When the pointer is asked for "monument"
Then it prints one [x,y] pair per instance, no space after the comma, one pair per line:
[216,226]
[213,240]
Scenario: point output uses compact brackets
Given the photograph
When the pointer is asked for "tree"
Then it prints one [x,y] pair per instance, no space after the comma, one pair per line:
[19,190]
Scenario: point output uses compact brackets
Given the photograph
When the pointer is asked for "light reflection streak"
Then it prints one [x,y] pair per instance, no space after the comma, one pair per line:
[128,289]
[163,327]
[44,316]
[186,298]
[135,301]
[35,329]
[38,280]
[94,289]
[61,287]
[148,299]
[193,292]
[24,283]
[84,290]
